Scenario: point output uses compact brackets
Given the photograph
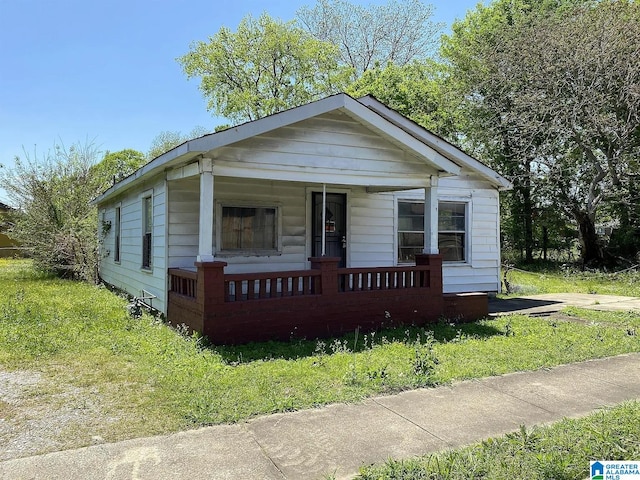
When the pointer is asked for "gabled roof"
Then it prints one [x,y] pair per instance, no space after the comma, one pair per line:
[437,143]
[440,155]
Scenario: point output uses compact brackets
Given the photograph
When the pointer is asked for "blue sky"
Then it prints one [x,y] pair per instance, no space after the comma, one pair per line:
[105,71]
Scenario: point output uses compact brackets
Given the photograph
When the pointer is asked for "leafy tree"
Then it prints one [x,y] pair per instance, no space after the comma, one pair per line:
[398,32]
[264,67]
[54,218]
[417,90]
[167,139]
[588,61]
[548,87]
[492,109]
[116,166]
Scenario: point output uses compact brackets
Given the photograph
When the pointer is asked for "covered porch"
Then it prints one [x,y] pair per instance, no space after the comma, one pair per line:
[224,299]
[320,302]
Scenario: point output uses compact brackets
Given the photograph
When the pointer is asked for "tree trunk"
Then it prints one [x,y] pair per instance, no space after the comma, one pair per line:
[591,249]
[527,211]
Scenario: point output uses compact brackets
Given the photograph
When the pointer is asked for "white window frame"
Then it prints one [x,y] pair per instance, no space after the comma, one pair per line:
[467,233]
[143,198]
[247,252]
[443,199]
[398,231]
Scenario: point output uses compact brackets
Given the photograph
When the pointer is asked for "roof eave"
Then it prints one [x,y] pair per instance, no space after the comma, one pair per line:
[445,158]
[436,142]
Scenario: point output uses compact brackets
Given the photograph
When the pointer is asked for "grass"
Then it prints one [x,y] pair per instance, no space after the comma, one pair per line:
[561,451]
[148,379]
[572,281]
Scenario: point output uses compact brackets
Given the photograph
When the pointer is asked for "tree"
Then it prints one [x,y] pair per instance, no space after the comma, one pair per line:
[54,218]
[417,90]
[264,67]
[586,82]
[399,32]
[116,166]
[549,88]
[491,94]
[167,139]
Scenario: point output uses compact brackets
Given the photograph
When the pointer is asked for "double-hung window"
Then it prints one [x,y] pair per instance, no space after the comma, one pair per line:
[410,230]
[249,229]
[452,235]
[118,235]
[147,231]
[452,230]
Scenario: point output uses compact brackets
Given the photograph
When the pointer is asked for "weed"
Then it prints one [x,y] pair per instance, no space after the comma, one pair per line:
[424,360]
[339,346]
[508,330]
[380,374]
[320,354]
[560,451]
[351,376]
[162,379]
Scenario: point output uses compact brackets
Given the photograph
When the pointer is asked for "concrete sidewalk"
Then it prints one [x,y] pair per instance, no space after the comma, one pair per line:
[550,303]
[338,439]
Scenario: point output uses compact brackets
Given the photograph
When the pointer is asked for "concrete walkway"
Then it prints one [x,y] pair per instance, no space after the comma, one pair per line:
[340,438]
[550,303]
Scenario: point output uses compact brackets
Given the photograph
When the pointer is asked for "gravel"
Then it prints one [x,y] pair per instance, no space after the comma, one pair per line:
[38,416]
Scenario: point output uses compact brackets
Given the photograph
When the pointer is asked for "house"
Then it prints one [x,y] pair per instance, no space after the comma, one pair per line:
[310,222]
[8,246]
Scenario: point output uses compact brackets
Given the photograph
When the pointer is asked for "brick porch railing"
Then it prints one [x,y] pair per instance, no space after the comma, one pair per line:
[320,302]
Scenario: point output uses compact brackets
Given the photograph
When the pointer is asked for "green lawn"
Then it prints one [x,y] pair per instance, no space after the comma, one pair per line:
[561,451]
[147,378]
[571,281]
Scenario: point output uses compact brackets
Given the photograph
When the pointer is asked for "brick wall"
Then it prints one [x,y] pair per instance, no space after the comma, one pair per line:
[327,311]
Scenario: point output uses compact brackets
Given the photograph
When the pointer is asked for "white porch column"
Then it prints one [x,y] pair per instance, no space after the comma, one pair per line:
[205,241]
[431,217]
[324,219]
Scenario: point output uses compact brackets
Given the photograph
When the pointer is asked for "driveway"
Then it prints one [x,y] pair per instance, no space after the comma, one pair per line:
[549,303]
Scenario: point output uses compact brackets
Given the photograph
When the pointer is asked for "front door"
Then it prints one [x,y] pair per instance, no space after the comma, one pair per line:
[335,226]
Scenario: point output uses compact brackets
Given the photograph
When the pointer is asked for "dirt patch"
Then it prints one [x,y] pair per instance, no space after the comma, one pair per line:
[39,416]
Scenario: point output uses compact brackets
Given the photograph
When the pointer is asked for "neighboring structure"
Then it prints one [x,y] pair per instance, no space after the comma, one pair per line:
[8,246]
[290,218]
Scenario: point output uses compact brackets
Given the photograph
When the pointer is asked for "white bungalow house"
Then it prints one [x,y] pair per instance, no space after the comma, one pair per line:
[303,218]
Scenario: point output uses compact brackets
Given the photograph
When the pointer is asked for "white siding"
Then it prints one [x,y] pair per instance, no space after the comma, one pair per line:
[482,272]
[184,218]
[290,198]
[329,147]
[372,233]
[128,274]
[184,222]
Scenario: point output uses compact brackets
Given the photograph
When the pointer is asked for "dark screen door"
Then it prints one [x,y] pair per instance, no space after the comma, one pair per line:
[335,226]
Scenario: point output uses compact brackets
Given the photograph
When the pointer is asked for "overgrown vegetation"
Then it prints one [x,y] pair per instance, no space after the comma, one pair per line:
[51,193]
[559,451]
[552,279]
[149,379]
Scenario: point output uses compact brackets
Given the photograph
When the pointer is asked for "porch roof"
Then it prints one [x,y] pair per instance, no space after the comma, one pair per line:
[443,161]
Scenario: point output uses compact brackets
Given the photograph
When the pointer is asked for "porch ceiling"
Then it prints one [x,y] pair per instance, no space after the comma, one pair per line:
[373,183]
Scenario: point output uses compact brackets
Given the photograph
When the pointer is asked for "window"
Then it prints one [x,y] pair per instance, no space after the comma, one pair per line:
[117,231]
[249,229]
[451,230]
[410,230]
[147,228]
